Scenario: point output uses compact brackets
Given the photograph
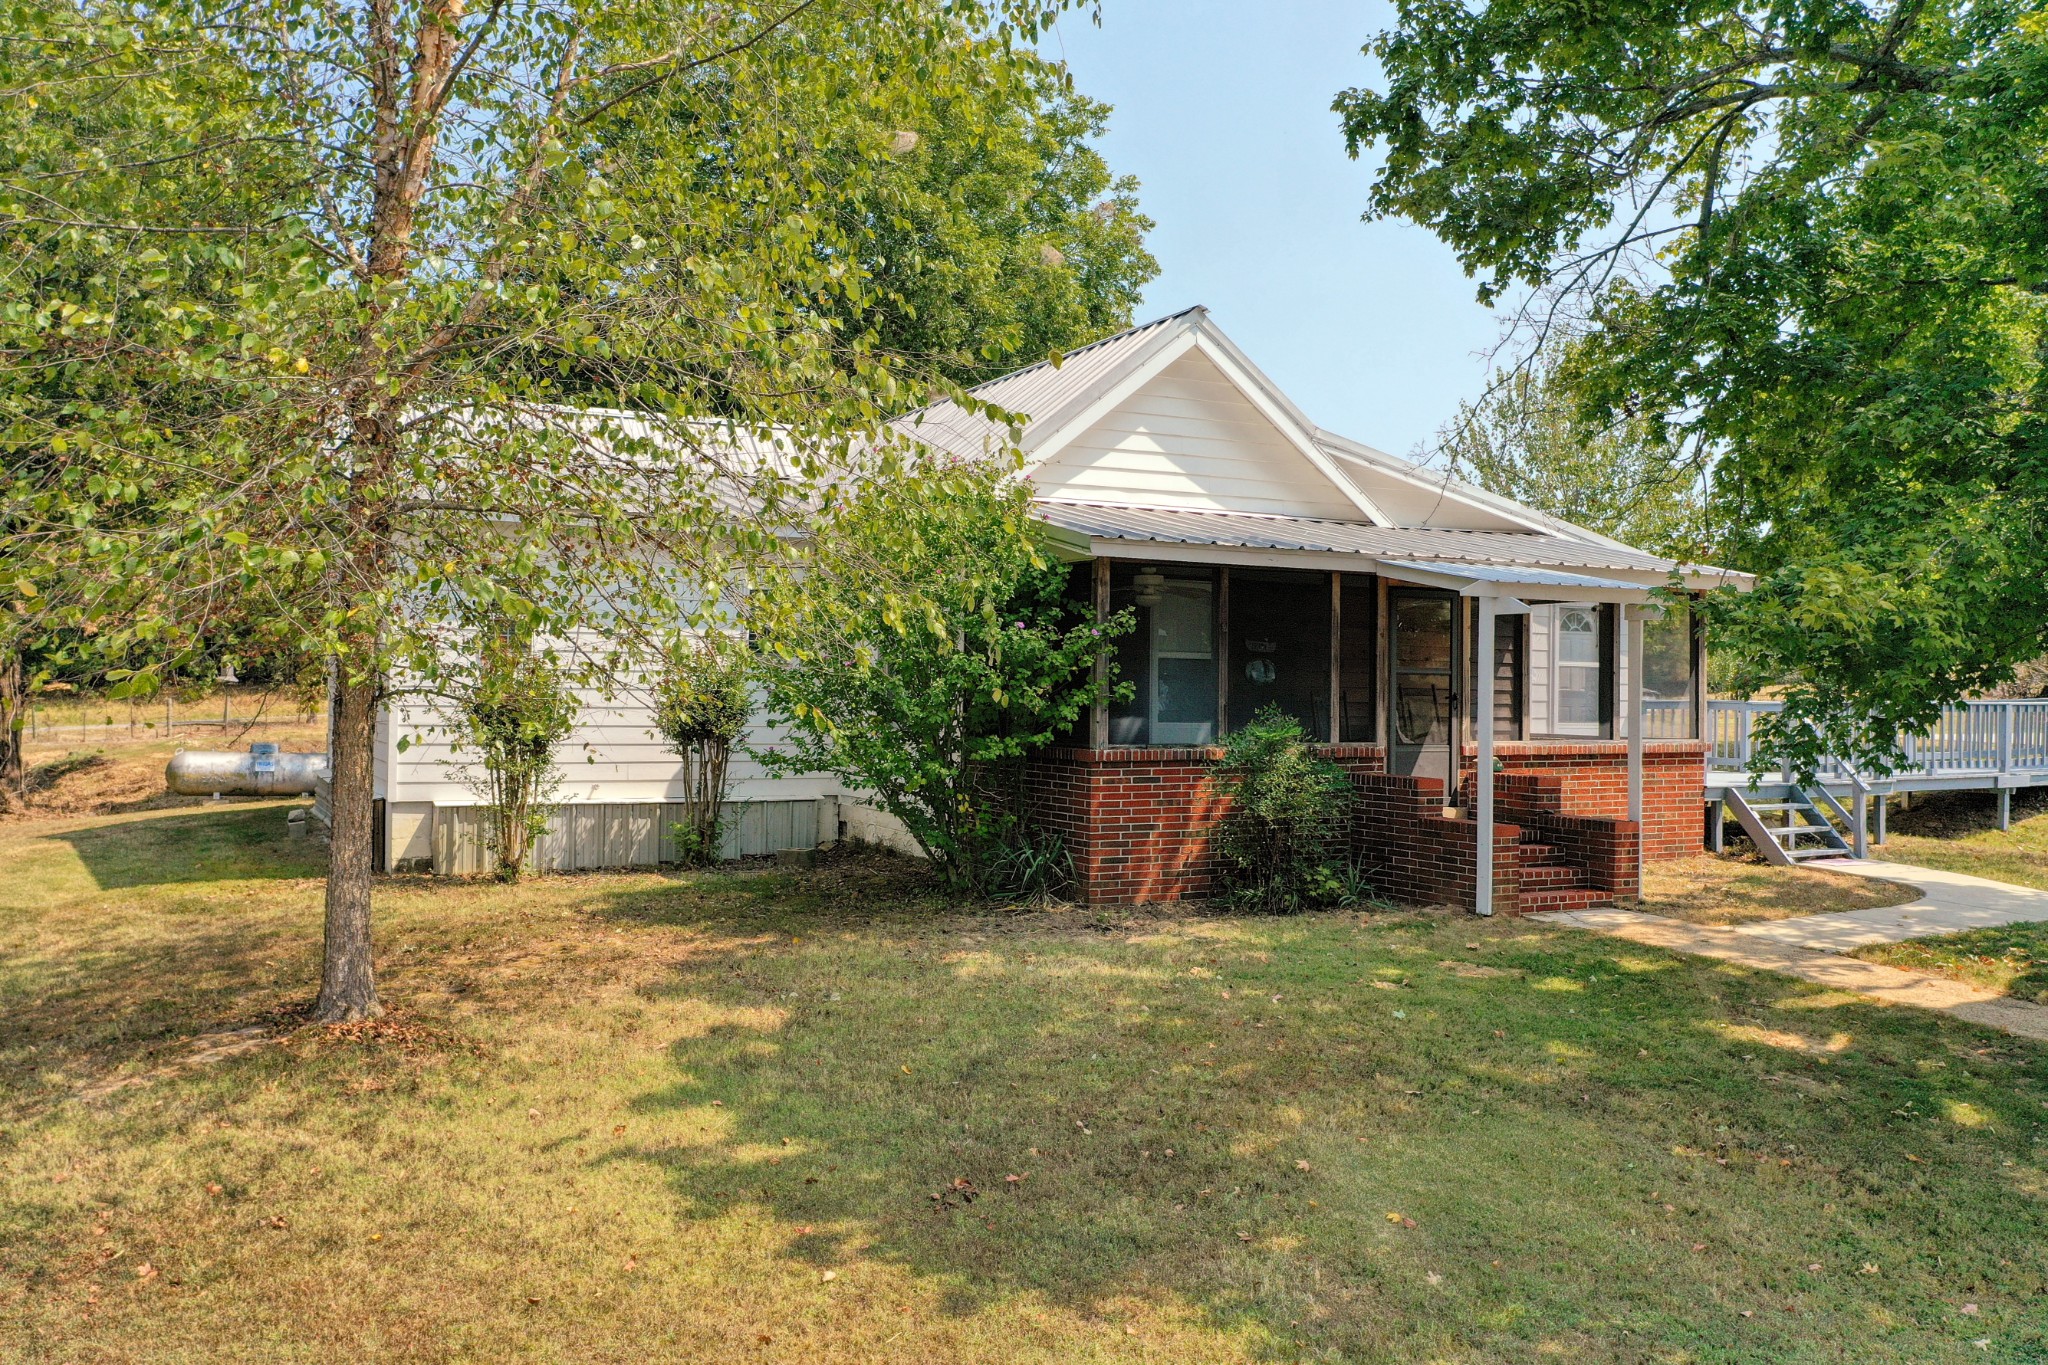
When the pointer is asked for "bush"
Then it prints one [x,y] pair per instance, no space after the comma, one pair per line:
[700,708]
[514,711]
[1283,843]
[927,649]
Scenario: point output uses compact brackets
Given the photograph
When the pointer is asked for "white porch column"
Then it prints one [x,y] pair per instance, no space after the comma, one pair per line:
[1491,609]
[1633,710]
[1482,777]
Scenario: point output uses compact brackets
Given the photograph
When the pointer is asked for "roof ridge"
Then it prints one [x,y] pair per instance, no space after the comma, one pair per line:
[1097,344]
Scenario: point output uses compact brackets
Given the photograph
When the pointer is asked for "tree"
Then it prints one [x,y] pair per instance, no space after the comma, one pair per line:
[701,706]
[922,648]
[1808,240]
[340,373]
[1525,439]
[992,235]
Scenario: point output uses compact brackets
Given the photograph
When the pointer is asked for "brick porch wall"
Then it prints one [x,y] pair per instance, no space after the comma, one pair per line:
[1594,781]
[1138,821]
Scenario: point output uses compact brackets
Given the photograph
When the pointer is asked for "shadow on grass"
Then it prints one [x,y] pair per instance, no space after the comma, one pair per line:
[222,842]
[1953,815]
[1227,1113]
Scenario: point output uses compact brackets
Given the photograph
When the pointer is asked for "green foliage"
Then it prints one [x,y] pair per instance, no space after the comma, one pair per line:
[1811,242]
[514,709]
[1526,439]
[300,292]
[991,234]
[1283,841]
[925,646]
[701,705]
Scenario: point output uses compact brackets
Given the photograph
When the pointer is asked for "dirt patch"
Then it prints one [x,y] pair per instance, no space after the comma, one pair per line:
[1746,890]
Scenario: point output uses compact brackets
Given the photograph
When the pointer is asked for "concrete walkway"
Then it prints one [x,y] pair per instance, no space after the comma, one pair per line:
[1810,947]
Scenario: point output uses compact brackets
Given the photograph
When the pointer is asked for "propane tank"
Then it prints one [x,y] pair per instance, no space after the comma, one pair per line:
[263,771]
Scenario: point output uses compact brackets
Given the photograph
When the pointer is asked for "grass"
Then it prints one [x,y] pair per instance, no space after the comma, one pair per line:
[1735,890]
[739,1116]
[2011,959]
[1958,832]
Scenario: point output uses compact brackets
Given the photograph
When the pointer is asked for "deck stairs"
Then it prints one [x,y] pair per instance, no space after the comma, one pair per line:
[1551,883]
[1789,823]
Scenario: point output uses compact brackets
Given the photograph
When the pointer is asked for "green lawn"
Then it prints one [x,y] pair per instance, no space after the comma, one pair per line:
[1959,832]
[2012,959]
[740,1118]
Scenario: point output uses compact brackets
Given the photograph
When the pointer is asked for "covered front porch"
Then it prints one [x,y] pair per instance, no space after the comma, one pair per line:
[1527,684]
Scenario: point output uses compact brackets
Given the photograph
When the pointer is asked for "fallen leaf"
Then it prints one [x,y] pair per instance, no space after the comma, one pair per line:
[145,1271]
[906,1071]
[1869,1268]
[533,1114]
[632,1263]
[1301,1165]
[1921,1160]
[213,1189]
[1434,1278]
[618,1130]
[829,1276]
[1969,1310]
[1813,1265]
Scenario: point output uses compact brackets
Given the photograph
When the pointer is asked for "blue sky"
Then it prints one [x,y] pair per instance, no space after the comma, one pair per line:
[1223,112]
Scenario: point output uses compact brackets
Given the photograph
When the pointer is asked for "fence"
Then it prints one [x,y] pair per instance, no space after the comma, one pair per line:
[54,718]
[1975,737]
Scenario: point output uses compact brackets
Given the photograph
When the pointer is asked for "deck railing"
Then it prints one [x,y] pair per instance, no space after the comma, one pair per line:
[1987,737]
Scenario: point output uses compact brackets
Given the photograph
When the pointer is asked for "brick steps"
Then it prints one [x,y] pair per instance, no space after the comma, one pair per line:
[1565,898]
[1549,883]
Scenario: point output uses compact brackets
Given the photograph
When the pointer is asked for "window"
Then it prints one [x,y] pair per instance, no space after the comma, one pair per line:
[1169,659]
[1280,646]
[1572,649]
[1578,667]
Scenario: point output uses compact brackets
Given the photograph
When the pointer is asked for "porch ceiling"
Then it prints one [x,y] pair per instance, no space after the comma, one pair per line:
[1544,561]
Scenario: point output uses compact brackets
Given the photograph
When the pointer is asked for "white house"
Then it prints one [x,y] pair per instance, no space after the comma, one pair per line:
[1272,562]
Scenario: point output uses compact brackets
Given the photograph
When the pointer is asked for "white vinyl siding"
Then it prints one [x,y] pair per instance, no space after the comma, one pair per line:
[1190,439]
[613,754]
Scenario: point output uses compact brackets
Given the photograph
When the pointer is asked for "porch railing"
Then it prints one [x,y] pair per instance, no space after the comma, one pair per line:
[1987,738]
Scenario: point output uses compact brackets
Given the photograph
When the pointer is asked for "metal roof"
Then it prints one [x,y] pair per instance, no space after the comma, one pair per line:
[1254,532]
[1038,392]
[1511,575]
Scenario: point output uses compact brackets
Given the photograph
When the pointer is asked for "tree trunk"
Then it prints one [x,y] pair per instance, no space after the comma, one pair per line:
[348,988]
[13,704]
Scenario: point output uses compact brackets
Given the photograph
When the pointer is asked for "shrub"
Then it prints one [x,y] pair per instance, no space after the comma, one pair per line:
[1283,842]
[927,649]
[700,709]
[514,710]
